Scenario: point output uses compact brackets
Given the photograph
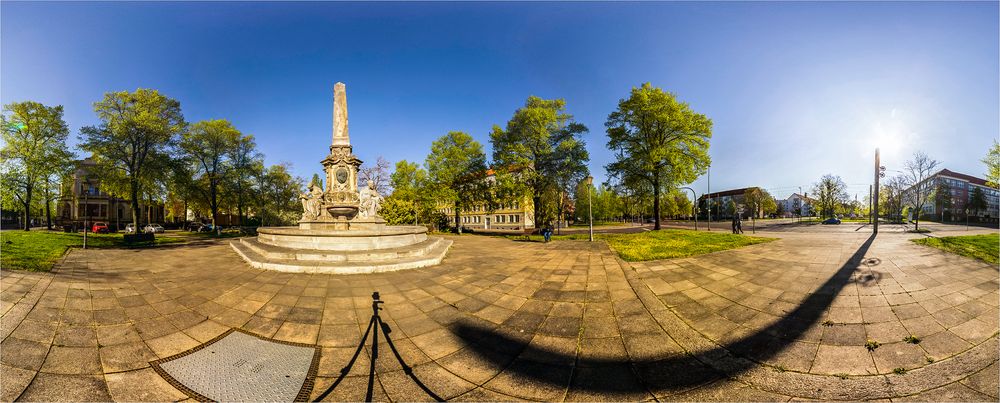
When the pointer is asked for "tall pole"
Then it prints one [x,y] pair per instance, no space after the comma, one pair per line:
[694,205]
[802,204]
[86,211]
[709,224]
[590,205]
[878,172]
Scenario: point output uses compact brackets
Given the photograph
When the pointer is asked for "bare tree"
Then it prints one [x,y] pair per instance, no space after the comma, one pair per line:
[921,190]
[378,173]
[891,196]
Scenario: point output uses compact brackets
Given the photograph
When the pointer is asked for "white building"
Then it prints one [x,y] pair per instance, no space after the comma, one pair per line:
[796,205]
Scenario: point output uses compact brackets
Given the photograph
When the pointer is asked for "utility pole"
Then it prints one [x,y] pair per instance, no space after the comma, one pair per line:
[709,224]
[86,211]
[801,204]
[869,204]
[590,205]
[878,174]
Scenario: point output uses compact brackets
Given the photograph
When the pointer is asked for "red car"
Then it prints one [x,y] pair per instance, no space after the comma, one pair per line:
[100,228]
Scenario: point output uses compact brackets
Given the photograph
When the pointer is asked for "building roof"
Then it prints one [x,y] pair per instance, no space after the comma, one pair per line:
[734,192]
[956,175]
[808,199]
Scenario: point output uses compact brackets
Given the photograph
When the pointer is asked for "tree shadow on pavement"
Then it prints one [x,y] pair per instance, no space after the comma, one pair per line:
[503,348]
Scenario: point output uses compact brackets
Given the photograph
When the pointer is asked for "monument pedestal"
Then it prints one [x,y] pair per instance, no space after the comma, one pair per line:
[342,224]
[352,251]
[341,231]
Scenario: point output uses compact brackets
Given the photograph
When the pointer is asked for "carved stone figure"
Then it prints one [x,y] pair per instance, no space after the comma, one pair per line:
[370,201]
[312,203]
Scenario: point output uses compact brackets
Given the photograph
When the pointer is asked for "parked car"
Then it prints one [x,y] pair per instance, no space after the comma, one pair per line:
[832,220]
[129,228]
[206,228]
[100,228]
[153,229]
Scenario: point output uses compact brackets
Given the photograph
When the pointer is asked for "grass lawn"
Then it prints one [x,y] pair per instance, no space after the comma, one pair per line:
[983,247]
[39,250]
[662,244]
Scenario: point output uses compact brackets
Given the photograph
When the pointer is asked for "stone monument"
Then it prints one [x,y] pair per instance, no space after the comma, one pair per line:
[340,230]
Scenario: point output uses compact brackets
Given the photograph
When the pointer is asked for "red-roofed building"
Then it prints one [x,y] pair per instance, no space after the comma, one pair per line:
[961,188]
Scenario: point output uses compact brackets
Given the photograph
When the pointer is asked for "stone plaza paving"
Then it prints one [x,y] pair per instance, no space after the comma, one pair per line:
[501,320]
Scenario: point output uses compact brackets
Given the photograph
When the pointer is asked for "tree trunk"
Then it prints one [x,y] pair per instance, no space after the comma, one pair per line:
[48,214]
[27,207]
[458,222]
[536,201]
[214,205]
[559,211]
[656,203]
[134,193]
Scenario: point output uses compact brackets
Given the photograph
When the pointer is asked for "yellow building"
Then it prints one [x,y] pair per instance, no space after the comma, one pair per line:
[515,216]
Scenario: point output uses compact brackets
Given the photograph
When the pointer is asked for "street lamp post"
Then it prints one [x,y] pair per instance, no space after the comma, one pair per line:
[708,225]
[590,205]
[878,174]
[966,219]
[86,212]
[694,206]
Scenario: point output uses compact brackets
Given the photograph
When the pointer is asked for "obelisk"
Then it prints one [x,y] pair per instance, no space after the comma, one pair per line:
[340,201]
[340,134]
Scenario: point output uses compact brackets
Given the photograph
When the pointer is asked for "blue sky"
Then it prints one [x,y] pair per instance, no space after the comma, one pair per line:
[796,90]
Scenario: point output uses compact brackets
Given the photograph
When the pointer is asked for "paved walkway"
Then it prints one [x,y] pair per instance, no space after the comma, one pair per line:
[504,320]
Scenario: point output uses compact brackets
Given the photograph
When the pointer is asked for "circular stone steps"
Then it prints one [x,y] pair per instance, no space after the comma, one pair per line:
[259,255]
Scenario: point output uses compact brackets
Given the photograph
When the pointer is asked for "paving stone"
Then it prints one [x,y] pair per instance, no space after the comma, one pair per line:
[15,380]
[23,354]
[66,388]
[125,357]
[142,385]
[851,360]
[563,320]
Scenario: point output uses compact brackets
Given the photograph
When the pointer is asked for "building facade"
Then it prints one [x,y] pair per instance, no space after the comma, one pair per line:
[796,205]
[960,190]
[513,216]
[84,201]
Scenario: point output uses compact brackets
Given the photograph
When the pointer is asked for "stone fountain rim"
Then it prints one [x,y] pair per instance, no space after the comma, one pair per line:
[387,231]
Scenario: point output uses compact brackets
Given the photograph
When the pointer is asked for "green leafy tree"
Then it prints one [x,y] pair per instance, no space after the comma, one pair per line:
[244,161]
[942,198]
[206,145]
[758,203]
[830,192]
[34,149]
[456,167]
[397,211]
[544,146]
[316,180]
[411,189]
[659,139]
[277,195]
[137,130]
[992,161]
[977,202]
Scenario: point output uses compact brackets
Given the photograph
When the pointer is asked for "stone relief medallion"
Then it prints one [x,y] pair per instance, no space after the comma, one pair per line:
[342,175]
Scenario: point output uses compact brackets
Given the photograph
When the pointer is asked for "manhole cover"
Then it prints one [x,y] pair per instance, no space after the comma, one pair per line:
[240,367]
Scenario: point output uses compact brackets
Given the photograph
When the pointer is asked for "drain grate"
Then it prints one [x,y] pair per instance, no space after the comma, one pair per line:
[238,366]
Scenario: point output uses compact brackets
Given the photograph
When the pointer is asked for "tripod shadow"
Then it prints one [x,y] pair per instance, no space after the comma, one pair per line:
[675,373]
